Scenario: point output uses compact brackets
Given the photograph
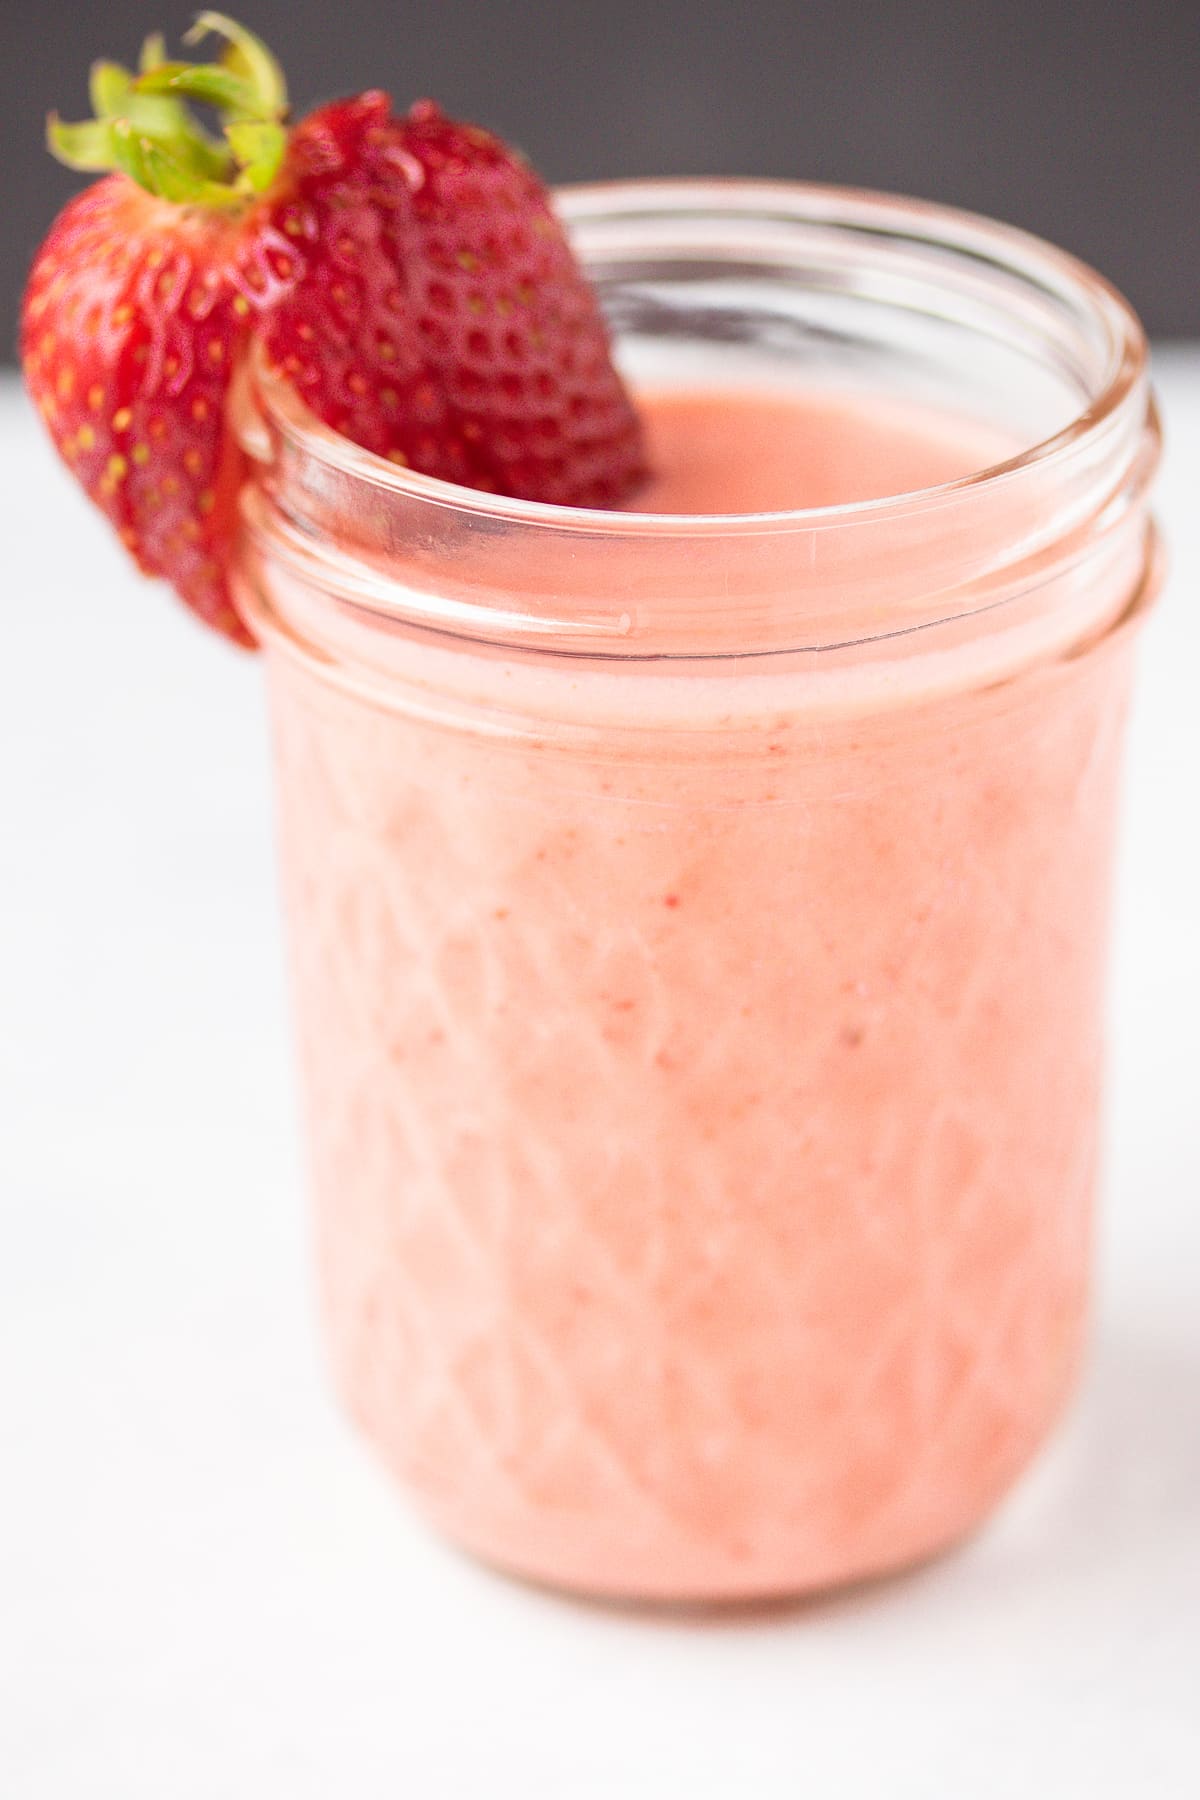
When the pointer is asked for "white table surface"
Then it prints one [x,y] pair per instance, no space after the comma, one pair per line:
[207,1590]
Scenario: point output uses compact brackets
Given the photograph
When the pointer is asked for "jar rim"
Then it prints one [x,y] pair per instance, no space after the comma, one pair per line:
[1005,249]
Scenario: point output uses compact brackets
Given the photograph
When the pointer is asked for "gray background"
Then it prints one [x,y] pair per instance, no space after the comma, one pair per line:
[1080,121]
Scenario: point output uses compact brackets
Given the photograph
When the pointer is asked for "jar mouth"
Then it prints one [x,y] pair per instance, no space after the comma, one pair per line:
[825,289]
[1111,373]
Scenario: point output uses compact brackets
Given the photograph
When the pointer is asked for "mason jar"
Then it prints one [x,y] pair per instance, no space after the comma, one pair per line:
[698,922]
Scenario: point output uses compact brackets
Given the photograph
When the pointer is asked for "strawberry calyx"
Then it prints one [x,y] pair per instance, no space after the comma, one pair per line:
[145,128]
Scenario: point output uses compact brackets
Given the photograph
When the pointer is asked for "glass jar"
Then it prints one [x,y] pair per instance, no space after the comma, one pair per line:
[698,923]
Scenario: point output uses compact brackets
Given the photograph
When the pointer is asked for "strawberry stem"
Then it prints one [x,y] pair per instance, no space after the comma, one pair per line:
[145,128]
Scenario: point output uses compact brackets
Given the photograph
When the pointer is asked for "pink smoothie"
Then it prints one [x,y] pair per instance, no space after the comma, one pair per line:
[702,1067]
[756,450]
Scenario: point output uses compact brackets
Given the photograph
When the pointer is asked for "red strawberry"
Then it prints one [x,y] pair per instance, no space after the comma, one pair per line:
[135,313]
[442,319]
[138,307]
[408,275]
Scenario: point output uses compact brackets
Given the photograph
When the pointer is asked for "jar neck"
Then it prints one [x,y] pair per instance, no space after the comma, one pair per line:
[1019,560]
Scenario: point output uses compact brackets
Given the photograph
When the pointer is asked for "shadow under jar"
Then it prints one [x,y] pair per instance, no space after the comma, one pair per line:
[698,922]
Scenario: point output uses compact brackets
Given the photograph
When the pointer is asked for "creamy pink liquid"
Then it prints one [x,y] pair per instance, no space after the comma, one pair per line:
[703,1139]
[762,451]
